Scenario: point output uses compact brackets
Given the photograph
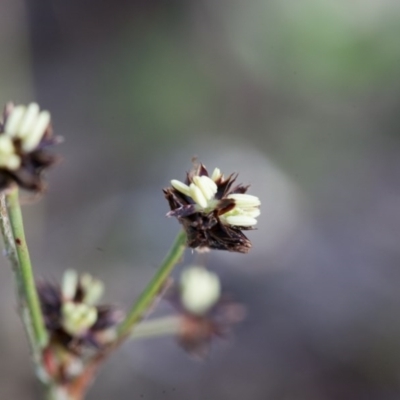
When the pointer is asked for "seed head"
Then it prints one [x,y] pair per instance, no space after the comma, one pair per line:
[25,135]
[212,212]
[72,316]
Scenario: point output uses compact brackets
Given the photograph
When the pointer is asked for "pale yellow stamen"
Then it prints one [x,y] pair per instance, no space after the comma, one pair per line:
[253,213]
[14,120]
[245,200]
[206,185]
[33,138]
[78,317]
[93,289]
[29,118]
[10,161]
[216,174]
[181,187]
[6,145]
[197,195]
[240,220]
[69,284]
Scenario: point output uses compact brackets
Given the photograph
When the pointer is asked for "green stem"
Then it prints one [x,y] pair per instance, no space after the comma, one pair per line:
[137,311]
[157,327]
[11,253]
[8,238]
[32,310]
[51,392]
[154,287]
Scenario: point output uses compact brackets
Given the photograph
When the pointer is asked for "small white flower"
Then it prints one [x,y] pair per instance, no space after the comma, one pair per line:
[200,290]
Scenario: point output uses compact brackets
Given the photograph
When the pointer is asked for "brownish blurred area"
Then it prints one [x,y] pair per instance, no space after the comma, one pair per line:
[302,99]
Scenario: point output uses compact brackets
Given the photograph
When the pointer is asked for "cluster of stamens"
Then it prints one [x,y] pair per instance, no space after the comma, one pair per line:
[78,316]
[72,314]
[25,126]
[202,191]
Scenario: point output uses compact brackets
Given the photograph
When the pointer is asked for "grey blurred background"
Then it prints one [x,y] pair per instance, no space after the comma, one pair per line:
[301,98]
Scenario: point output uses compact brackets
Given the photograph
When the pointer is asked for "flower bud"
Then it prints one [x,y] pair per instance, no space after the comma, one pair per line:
[200,290]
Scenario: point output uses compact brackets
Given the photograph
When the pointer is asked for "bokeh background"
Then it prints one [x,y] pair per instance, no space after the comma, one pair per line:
[302,98]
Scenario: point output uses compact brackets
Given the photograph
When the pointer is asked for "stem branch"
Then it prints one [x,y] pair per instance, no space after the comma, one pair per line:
[157,327]
[154,286]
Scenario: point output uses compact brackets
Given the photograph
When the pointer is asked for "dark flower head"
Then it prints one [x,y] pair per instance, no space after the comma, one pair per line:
[212,211]
[72,315]
[205,312]
[25,135]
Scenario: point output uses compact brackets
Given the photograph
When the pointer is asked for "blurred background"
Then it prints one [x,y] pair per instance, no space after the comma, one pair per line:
[301,98]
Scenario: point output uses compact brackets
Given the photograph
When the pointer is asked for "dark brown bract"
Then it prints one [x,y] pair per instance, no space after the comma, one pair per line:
[212,210]
[198,332]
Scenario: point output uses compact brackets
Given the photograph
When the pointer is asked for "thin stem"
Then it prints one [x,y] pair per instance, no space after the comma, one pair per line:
[154,287]
[157,327]
[8,239]
[24,271]
[11,253]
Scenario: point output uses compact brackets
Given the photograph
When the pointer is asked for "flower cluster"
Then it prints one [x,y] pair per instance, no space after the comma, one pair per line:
[72,315]
[212,211]
[25,135]
[205,311]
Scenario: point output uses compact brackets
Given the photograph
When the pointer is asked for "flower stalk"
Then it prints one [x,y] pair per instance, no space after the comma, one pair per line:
[24,271]
[165,326]
[154,287]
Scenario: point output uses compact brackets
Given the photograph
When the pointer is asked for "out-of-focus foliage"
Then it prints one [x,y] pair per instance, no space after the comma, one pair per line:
[318,46]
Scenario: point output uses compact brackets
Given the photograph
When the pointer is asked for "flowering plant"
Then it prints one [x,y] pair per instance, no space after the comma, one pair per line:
[70,334]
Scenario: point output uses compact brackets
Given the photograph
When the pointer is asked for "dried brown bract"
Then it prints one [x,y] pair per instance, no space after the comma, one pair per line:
[197,333]
[205,312]
[25,136]
[212,210]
